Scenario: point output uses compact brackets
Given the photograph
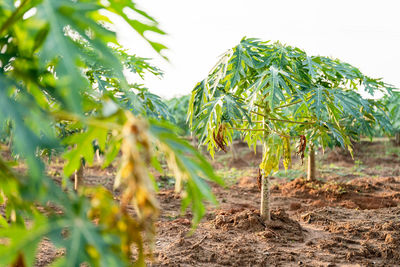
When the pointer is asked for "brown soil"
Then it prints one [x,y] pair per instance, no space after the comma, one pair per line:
[361,193]
[340,220]
[309,227]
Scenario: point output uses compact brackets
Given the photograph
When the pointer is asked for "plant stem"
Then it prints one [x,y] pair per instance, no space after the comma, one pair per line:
[311,164]
[281,120]
[265,196]
[246,129]
[257,113]
[289,121]
[289,104]
[259,130]
[244,100]
[293,103]
[78,177]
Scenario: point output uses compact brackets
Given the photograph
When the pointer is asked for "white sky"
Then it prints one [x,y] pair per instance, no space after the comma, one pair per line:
[364,33]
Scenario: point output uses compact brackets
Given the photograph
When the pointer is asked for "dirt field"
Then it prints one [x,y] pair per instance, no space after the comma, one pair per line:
[349,217]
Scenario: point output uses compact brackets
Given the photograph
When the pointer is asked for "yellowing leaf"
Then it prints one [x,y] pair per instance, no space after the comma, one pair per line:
[287,158]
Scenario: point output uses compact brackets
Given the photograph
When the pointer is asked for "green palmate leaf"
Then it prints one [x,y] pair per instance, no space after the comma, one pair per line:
[348,103]
[137,64]
[84,149]
[237,70]
[318,100]
[23,241]
[274,91]
[155,107]
[311,66]
[196,102]
[57,44]
[233,107]
[119,7]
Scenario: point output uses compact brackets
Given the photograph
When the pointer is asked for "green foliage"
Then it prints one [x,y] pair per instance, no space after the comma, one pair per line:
[62,87]
[392,103]
[178,108]
[388,106]
[272,92]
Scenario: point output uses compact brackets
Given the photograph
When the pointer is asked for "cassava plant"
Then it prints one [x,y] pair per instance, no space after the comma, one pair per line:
[273,93]
[61,69]
[178,107]
[392,102]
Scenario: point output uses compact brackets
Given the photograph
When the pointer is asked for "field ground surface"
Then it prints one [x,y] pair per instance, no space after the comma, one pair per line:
[350,216]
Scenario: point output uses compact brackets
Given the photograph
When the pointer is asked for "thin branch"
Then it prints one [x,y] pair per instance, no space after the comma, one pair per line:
[259,130]
[246,129]
[293,103]
[289,104]
[283,106]
[244,100]
[281,120]
[257,113]
[289,121]
[272,119]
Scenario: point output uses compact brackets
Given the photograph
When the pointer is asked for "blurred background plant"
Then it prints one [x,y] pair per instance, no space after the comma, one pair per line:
[63,89]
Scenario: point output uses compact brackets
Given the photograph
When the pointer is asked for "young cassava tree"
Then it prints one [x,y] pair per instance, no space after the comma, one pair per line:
[272,93]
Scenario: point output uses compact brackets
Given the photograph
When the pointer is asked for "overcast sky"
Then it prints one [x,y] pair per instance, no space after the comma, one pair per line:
[363,33]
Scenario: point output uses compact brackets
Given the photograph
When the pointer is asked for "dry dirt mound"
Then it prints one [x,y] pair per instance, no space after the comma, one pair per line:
[248,220]
[358,194]
[281,227]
